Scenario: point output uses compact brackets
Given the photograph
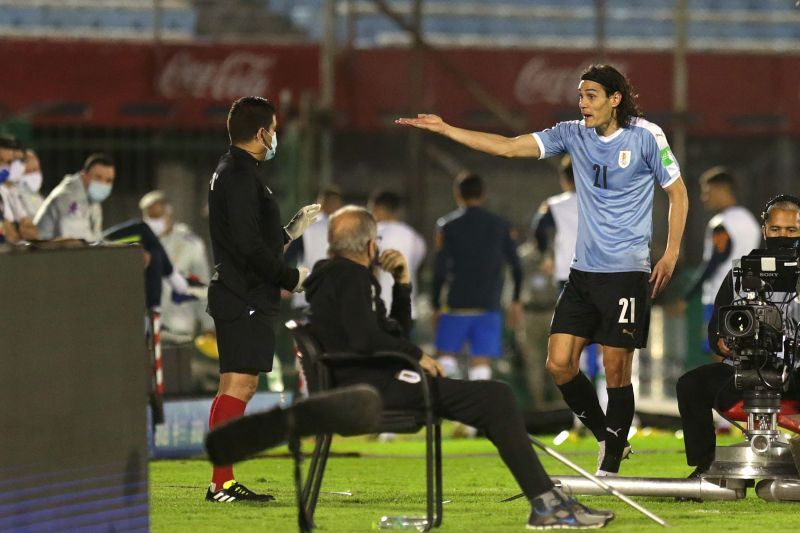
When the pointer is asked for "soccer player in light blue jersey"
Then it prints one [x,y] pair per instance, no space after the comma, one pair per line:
[617,156]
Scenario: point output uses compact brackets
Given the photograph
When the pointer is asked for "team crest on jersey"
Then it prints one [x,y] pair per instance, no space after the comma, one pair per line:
[624,158]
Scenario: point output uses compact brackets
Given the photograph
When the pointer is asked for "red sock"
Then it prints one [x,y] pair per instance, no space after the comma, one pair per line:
[224,408]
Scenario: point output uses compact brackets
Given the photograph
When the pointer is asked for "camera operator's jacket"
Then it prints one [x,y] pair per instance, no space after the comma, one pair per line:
[726,296]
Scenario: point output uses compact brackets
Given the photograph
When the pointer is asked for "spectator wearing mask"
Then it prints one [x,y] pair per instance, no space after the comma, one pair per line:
[187,252]
[72,210]
[31,183]
[17,221]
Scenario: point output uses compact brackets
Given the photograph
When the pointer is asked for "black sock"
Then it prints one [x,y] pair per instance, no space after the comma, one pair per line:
[582,399]
[619,416]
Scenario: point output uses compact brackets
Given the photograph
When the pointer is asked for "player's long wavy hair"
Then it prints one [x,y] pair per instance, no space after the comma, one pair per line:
[614,81]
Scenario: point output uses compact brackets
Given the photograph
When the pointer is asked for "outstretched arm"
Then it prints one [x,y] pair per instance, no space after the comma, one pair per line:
[491,143]
[678,207]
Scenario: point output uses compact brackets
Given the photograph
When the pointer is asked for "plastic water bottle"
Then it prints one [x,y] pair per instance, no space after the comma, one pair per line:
[413,523]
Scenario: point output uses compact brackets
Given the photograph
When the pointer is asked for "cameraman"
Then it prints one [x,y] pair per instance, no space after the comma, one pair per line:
[712,386]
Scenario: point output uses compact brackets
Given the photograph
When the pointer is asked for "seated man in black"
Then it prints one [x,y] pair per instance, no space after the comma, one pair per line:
[348,315]
[711,386]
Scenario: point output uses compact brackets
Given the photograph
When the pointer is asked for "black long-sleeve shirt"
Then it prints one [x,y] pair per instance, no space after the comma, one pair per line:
[474,245]
[348,315]
[247,239]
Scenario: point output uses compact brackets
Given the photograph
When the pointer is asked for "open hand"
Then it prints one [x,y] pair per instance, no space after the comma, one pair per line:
[432,123]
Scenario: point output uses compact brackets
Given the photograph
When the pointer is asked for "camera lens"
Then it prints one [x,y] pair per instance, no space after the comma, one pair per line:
[738,323]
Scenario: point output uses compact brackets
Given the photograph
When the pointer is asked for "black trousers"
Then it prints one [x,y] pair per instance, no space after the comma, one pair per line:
[487,405]
[699,391]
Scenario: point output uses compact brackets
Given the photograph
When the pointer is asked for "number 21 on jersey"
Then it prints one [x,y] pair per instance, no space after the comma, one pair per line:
[627,313]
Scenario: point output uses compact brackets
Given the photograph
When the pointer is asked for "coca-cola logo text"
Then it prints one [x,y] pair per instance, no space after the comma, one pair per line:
[540,83]
[239,73]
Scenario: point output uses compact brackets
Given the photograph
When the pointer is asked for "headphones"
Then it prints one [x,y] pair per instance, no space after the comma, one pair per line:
[775,200]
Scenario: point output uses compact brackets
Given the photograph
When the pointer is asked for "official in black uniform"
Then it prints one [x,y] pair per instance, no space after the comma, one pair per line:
[247,240]
[348,314]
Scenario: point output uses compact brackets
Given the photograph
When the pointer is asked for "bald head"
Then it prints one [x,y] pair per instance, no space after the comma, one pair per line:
[350,230]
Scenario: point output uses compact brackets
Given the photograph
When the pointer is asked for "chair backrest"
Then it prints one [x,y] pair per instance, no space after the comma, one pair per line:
[309,351]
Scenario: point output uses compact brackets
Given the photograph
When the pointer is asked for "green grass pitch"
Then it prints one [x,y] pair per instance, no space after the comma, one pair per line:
[388,479]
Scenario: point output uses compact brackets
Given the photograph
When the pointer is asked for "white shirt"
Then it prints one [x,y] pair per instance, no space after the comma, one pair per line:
[744,232]
[397,235]
[564,208]
[14,205]
[67,212]
[315,248]
[187,252]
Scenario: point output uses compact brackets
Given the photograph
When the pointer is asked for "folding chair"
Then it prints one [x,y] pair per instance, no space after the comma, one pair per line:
[317,367]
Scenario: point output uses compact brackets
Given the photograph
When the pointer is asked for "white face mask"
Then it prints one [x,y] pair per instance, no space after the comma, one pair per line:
[272,148]
[158,225]
[16,170]
[33,180]
[98,191]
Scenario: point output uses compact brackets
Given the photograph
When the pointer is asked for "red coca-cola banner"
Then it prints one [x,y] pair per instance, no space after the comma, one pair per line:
[190,85]
[728,94]
[143,84]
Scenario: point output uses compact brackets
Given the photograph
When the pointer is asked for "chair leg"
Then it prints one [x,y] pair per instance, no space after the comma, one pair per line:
[437,438]
[429,468]
[317,483]
[312,468]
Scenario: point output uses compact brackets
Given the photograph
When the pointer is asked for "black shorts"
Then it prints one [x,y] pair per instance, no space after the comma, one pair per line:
[611,309]
[246,344]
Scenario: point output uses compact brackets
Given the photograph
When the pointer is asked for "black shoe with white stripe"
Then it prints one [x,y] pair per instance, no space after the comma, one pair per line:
[236,492]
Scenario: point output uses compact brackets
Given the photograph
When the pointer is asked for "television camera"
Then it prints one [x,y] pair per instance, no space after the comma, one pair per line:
[764,347]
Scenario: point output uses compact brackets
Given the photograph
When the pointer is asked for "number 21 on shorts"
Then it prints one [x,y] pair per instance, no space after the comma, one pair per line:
[627,313]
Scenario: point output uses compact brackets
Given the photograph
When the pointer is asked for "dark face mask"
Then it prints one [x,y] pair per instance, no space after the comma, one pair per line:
[373,264]
[783,243]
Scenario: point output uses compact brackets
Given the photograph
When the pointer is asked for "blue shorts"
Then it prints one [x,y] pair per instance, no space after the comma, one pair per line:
[483,333]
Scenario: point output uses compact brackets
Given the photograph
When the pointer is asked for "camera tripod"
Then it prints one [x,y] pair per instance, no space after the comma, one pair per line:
[766,454]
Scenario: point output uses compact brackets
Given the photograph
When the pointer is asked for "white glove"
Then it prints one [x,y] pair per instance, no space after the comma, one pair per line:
[302,220]
[301,278]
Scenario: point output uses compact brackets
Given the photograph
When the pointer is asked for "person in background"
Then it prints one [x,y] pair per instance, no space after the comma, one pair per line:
[313,245]
[17,220]
[473,245]
[72,210]
[187,253]
[396,234]
[31,183]
[731,233]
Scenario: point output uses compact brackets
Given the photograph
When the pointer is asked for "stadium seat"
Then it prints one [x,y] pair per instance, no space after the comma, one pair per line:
[316,366]
[788,417]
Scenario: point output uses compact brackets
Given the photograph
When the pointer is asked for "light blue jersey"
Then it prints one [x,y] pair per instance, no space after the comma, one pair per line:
[614,179]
